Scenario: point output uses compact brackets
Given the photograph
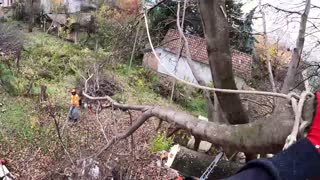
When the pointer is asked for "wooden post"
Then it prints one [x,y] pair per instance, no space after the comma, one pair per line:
[172,90]
[134,45]
[44,24]
[97,45]
[76,37]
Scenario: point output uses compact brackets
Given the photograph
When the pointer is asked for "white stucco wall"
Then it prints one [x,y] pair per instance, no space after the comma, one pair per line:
[6,3]
[181,68]
[46,5]
[74,5]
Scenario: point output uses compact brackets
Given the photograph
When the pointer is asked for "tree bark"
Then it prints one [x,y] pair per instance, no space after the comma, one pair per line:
[193,163]
[297,51]
[31,16]
[218,113]
[217,36]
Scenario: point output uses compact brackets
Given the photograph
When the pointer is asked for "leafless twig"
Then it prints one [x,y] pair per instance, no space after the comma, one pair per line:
[60,138]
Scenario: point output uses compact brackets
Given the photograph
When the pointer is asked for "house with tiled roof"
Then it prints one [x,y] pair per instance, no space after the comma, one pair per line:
[169,51]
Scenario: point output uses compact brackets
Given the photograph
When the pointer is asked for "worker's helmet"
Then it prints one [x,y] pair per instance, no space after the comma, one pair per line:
[73,91]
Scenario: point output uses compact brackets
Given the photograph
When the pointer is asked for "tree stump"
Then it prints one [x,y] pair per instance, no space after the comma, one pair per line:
[43,93]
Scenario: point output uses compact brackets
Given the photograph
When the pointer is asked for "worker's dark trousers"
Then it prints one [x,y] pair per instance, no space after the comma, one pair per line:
[73,114]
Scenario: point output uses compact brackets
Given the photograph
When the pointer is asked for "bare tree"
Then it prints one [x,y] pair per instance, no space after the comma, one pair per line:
[266,45]
[297,51]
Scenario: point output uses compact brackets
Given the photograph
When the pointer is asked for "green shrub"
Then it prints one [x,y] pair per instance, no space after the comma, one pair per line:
[7,80]
[198,105]
[192,99]
[161,142]
[52,59]
[139,76]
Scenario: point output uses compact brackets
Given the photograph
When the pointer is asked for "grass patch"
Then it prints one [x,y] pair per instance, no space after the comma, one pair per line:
[160,142]
[143,81]
[15,123]
[196,105]
[50,58]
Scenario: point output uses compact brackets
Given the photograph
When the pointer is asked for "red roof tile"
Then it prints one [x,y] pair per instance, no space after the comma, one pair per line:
[197,45]
[198,49]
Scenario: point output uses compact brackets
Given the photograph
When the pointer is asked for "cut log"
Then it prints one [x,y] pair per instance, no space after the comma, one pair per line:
[193,163]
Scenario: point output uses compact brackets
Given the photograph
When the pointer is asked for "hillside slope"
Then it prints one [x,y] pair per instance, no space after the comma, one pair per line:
[28,136]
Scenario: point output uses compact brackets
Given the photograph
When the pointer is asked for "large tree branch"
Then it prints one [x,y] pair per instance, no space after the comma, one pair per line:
[265,136]
[116,104]
[261,137]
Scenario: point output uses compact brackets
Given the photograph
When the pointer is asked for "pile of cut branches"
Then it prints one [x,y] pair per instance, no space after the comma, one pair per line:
[10,41]
[100,85]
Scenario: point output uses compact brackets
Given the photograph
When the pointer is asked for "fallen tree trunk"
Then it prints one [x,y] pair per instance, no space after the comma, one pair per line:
[193,163]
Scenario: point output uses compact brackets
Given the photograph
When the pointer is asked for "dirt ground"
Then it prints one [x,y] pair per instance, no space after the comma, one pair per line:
[84,140]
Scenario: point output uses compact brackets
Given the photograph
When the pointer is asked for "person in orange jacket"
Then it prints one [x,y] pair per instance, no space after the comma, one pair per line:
[73,114]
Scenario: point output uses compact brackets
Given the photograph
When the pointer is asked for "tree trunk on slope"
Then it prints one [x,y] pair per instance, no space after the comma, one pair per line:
[215,24]
[31,16]
[214,111]
[297,51]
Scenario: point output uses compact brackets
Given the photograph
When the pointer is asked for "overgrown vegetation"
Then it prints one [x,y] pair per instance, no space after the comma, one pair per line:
[7,80]
[112,32]
[160,142]
[23,128]
[150,85]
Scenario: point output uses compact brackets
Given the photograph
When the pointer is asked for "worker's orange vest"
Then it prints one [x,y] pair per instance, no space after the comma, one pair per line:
[75,100]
